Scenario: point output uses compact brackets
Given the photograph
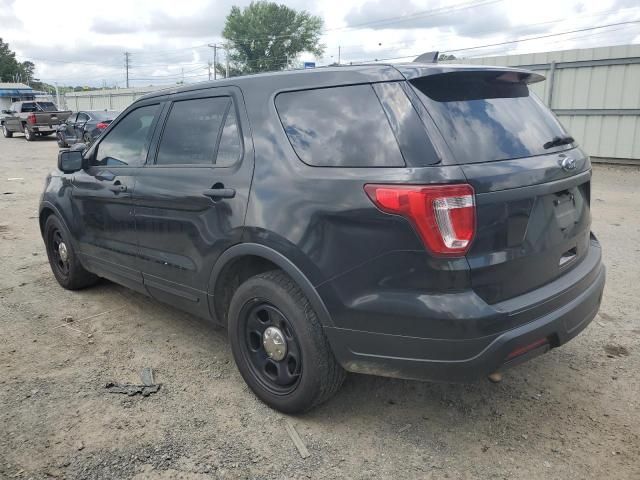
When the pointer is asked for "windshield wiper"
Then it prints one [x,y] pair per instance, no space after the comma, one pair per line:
[557,141]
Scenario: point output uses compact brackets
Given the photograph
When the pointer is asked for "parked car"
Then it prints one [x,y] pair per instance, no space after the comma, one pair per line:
[33,118]
[418,221]
[84,127]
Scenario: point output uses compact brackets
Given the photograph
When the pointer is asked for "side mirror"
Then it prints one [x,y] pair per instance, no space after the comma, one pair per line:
[70,161]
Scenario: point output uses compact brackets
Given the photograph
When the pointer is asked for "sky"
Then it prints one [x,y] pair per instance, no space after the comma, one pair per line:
[168,39]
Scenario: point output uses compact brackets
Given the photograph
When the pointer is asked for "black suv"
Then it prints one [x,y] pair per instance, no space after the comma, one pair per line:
[416,221]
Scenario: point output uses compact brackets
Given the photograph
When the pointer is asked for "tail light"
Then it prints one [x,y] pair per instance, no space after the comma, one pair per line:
[102,125]
[32,119]
[443,215]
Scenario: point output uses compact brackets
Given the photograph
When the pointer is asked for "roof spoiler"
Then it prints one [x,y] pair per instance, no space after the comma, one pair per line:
[429,57]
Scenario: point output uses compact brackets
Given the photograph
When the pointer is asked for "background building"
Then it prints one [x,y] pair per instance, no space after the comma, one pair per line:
[14,92]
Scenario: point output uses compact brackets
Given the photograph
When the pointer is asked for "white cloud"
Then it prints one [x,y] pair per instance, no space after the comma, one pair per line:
[85,46]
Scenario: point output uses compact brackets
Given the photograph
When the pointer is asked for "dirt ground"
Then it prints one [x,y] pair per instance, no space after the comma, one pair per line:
[571,414]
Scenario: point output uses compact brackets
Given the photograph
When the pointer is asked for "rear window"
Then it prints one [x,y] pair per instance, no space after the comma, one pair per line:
[47,106]
[488,116]
[339,127]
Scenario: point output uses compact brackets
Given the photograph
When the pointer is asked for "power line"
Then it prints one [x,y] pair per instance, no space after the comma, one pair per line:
[508,42]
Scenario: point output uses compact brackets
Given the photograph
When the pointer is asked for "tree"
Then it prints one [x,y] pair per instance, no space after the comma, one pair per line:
[266,36]
[26,70]
[444,56]
[9,66]
[10,69]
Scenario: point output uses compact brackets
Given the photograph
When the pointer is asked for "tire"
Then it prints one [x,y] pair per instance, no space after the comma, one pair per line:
[69,273]
[29,135]
[5,132]
[60,140]
[273,300]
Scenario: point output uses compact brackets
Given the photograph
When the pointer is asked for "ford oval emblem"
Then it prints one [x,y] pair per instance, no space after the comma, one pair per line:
[568,163]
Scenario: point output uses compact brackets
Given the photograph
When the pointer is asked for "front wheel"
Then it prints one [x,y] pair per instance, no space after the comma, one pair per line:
[5,132]
[63,259]
[29,135]
[279,346]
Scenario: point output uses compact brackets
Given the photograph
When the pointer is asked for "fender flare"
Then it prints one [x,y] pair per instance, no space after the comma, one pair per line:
[268,253]
[45,204]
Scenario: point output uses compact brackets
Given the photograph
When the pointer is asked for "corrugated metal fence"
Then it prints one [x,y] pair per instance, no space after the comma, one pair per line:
[595,92]
[105,99]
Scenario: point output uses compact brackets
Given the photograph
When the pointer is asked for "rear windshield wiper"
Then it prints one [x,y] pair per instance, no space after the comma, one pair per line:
[557,141]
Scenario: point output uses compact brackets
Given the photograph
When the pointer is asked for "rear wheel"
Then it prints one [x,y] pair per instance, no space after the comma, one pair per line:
[5,132]
[63,259]
[29,135]
[279,346]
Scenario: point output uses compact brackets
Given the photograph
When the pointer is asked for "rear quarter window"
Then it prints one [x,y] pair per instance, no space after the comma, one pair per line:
[339,127]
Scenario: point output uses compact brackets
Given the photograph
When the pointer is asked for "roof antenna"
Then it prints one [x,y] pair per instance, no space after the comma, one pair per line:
[429,57]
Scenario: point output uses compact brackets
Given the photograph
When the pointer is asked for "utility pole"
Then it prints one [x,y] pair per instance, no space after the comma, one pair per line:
[339,51]
[226,61]
[209,68]
[57,95]
[215,59]
[126,66]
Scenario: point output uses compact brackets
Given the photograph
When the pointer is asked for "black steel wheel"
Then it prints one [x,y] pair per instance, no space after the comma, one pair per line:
[279,345]
[60,253]
[270,347]
[64,262]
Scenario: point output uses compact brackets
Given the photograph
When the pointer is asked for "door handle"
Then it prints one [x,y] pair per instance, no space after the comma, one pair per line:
[118,187]
[216,193]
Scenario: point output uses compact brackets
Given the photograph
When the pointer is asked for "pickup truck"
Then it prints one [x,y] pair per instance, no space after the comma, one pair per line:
[33,118]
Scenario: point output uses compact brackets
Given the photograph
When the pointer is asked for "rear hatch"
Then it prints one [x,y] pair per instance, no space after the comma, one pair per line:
[532,183]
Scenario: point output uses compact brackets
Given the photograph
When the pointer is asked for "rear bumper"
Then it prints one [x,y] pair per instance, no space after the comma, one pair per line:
[549,316]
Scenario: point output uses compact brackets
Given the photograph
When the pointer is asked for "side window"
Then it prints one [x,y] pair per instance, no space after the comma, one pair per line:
[29,107]
[82,117]
[194,134]
[128,142]
[72,118]
[339,127]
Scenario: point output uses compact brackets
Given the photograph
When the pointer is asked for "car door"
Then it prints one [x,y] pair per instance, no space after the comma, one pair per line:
[78,128]
[190,201]
[13,121]
[68,129]
[103,192]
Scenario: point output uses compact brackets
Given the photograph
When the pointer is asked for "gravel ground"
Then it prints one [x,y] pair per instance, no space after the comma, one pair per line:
[570,414]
